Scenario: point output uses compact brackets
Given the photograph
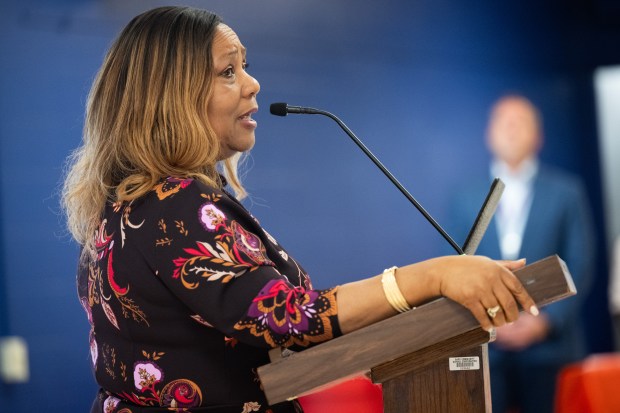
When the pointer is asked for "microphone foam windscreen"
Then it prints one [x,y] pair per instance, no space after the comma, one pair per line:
[278,109]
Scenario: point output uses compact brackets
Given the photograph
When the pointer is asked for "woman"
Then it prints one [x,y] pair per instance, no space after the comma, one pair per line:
[184,290]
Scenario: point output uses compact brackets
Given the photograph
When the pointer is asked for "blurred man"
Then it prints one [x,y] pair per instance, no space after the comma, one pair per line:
[542,212]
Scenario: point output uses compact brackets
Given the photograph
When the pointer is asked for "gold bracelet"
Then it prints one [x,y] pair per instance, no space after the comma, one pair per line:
[392,292]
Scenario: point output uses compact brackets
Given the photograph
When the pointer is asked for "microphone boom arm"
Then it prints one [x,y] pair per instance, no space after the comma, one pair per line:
[402,189]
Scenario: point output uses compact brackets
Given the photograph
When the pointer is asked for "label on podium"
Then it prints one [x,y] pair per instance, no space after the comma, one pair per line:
[464,363]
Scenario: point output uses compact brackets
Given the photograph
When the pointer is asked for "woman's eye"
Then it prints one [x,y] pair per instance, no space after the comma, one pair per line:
[228,72]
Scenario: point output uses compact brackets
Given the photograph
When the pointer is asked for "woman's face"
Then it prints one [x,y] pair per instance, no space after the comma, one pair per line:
[233,100]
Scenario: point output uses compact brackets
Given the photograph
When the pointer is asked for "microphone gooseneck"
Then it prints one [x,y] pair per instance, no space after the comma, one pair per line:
[282,109]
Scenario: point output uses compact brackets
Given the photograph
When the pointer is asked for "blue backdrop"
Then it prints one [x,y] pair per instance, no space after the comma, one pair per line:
[414,79]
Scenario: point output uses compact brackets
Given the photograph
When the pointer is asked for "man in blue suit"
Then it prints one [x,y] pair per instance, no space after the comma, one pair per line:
[542,212]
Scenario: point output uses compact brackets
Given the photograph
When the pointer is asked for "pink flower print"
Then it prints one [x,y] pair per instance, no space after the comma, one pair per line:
[211,217]
[110,404]
[86,307]
[94,351]
[249,244]
[277,306]
[183,183]
[180,394]
[285,315]
[146,375]
[250,407]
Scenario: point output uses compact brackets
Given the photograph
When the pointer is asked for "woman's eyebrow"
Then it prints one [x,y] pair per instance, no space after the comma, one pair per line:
[234,51]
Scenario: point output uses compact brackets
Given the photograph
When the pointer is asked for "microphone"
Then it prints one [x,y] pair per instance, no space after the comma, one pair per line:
[282,109]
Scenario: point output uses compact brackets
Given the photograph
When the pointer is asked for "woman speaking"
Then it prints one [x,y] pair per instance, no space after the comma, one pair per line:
[184,290]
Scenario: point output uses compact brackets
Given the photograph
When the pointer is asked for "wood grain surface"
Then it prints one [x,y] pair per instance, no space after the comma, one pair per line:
[429,325]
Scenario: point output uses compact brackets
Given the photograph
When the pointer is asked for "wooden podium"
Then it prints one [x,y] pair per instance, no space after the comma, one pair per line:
[429,360]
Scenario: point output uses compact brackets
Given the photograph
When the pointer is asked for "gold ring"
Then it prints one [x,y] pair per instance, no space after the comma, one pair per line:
[492,312]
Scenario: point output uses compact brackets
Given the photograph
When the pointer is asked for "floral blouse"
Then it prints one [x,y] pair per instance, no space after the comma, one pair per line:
[185,298]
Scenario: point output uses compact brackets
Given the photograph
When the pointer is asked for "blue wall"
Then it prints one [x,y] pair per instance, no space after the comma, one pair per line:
[414,79]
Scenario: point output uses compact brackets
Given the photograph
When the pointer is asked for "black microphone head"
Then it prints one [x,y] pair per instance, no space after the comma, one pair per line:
[278,109]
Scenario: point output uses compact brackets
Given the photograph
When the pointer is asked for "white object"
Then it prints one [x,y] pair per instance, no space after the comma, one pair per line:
[464,363]
[14,367]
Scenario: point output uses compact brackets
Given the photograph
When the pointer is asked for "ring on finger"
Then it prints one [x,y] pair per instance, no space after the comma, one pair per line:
[492,311]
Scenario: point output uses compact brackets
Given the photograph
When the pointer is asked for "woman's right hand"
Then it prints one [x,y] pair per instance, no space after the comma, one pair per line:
[479,283]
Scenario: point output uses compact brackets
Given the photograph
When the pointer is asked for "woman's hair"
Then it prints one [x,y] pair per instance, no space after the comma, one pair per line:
[146,118]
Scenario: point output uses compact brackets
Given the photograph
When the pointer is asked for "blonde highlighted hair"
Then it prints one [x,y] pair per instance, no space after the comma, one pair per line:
[146,118]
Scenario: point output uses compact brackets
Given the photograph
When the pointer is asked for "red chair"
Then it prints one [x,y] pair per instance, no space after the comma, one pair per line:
[358,395]
[590,386]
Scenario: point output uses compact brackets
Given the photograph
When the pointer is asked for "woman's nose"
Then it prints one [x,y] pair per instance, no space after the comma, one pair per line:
[252,86]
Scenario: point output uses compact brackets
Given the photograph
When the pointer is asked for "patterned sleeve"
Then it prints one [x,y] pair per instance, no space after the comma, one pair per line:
[233,274]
